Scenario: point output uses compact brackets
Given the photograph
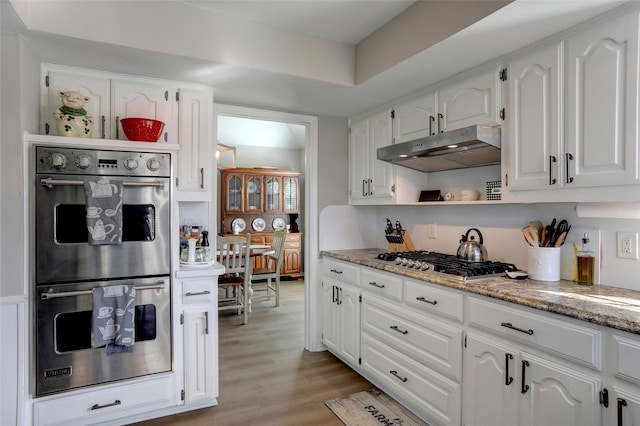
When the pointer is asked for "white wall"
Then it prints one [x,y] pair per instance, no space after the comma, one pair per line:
[255,156]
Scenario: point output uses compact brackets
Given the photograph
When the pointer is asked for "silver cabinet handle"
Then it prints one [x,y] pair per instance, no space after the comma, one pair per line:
[206,323]
[431,302]
[199,293]
[375,284]
[395,374]
[202,178]
[98,406]
[513,327]
[364,190]
[339,300]
[395,328]
[369,184]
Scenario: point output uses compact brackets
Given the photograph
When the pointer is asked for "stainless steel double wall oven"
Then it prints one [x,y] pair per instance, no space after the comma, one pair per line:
[68,268]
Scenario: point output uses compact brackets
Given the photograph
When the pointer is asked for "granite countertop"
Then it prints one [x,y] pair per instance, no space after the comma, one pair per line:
[605,305]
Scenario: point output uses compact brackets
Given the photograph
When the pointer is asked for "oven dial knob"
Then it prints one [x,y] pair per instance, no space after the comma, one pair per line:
[153,164]
[57,161]
[398,260]
[130,163]
[405,261]
[83,161]
[410,263]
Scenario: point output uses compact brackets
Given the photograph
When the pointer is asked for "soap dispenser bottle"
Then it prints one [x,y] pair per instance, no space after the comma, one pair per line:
[586,262]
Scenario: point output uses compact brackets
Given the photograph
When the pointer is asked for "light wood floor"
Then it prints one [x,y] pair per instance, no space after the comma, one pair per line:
[266,376]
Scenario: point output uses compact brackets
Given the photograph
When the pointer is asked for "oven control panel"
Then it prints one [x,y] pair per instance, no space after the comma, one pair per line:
[83,161]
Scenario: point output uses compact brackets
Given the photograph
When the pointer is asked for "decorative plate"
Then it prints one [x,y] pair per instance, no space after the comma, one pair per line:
[251,187]
[258,224]
[238,224]
[278,224]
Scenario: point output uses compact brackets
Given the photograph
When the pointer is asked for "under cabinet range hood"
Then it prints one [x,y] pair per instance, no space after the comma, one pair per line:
[467,147]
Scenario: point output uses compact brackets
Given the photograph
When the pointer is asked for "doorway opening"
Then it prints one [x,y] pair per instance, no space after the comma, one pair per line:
[309,126]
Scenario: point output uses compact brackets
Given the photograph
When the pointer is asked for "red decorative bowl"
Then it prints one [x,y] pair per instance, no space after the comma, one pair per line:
[142,129]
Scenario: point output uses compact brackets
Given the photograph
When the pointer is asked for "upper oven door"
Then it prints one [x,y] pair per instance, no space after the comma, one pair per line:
[62,250]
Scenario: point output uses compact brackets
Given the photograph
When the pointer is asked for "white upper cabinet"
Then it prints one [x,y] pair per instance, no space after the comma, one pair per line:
[476,100]
[370,178]
[415,119]
[144,100]
[534,137]
[97,89]
[596,143]
[602,104]
[195,159]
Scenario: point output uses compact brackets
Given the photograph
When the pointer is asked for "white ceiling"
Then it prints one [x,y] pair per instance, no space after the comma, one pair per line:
[54,30]
[344,21]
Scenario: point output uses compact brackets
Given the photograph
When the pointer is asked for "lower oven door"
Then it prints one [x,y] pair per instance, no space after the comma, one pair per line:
[65,359]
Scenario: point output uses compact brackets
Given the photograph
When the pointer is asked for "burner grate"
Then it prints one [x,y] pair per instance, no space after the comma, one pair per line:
[449,264]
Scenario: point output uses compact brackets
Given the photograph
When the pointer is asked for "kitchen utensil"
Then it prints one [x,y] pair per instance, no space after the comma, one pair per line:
[142,129]
[472,250]
[563,227]
[516,275]
[538,226]
[550,229]
[531,236]
[560,239]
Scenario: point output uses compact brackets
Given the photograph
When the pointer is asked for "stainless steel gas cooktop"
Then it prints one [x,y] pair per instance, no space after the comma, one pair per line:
[447,265]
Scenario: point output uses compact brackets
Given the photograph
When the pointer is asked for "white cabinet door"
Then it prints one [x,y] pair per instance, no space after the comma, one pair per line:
[558,396]
[349,324]
[145,100]
[200,327]
[534,107]
[380,172]
[469,102]
[489,384]
[624,407]
[199,319]
[195,159]
[97,89]
[415,119]
[359,159]
[602,138]
[341,320]
[329,317]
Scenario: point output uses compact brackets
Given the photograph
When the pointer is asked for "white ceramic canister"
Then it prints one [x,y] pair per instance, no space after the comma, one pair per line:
[544,263]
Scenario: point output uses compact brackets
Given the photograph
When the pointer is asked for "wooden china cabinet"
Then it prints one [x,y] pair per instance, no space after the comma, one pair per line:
[260,201]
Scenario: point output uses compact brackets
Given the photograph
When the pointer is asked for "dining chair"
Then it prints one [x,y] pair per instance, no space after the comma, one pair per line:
[234,254]
[274,264]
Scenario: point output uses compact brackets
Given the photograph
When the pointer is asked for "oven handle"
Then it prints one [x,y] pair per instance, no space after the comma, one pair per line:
[49,183]
[46,296]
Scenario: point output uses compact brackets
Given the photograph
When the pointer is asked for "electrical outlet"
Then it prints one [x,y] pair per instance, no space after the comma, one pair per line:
[627,245]
[431,230]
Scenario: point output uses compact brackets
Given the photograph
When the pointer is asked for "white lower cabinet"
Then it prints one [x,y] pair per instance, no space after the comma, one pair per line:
[341,314]
[106,404]
[624,406]
[429,394]
[199,320]
[504,385]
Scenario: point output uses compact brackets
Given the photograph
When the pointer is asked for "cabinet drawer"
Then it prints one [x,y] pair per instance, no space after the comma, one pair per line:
[99,406]
[260,239]
[626,355]
[341,271]
[198,290]
[563,338]
[430,342]
[422,390]
[293,238]
[382,284]
[434,300]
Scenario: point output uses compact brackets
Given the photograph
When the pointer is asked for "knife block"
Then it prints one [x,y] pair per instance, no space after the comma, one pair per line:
[405,245]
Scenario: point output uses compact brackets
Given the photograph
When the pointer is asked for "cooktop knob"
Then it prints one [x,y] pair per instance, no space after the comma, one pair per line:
[83,161]
[57,161]
[398,260]
[153,164]
[410,263]
[130,163]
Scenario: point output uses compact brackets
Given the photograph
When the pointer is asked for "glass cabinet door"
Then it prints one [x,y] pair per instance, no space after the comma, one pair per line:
[273,194]
[233,191]
[291,194]
[254,193]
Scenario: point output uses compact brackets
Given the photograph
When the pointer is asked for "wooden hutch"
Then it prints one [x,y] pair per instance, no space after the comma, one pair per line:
[260,201]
